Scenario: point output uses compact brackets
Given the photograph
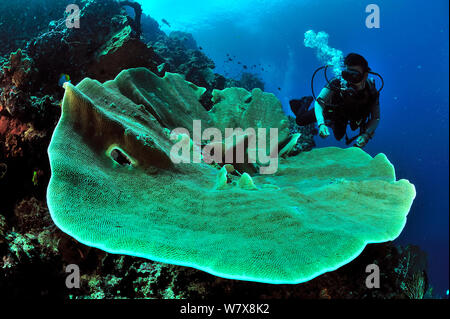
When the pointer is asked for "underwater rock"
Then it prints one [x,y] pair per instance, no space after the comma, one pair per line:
[150,29]
[17,83]
[24,19]
[11,143]
[3,170]
[22,150]
[184,39]
[32,215]
[198,70]
[16,77]
[287,149]
[131,277]
[163,68]
[306,141]
[70,50]
[181,55]
[136,25]
[412,272]
[3,228]
[115,55]
[29,254]
[322,216]
[16,135]
[18,69]
[250,81]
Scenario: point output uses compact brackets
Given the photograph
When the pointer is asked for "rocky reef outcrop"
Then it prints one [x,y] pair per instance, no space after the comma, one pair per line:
[22,20]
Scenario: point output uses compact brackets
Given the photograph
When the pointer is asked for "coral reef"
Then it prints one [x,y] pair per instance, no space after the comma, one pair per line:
[71,50]
[249,81]
[150,29]
[412,272]
[23,19]
[16,74]
[34,253]
[109,59]
[305,142]
[136,25]
[31,261]
[182,55]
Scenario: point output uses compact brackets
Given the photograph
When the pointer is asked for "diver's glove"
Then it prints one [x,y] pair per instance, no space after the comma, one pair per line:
[323,130]
[362,140]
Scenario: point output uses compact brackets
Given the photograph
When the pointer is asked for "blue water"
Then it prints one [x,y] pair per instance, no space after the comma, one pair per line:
[410,49]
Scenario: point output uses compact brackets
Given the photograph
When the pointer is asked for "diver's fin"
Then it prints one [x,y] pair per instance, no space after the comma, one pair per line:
[295,105]
[302,105]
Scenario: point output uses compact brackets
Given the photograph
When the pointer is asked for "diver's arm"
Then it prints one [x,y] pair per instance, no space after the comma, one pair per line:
[324,96]
[318,108]
[374,119]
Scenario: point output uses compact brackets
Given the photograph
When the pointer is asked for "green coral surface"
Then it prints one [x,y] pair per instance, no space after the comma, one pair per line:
[323,208]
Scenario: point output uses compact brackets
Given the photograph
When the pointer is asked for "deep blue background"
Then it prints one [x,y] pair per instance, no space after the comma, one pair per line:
[410,50]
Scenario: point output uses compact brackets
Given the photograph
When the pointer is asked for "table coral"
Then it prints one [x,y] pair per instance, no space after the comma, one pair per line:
[326,206]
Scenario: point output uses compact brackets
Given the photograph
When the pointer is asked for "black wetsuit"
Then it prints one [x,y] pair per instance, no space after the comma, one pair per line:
[361,110]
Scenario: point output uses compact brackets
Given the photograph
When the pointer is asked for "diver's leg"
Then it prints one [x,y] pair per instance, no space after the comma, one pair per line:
[339,130]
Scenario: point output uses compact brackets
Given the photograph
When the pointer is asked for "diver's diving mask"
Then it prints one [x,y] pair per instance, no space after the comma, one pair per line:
[348,75]
[352,76]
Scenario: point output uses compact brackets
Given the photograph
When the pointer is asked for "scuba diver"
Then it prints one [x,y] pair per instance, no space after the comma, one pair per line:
[351,100]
